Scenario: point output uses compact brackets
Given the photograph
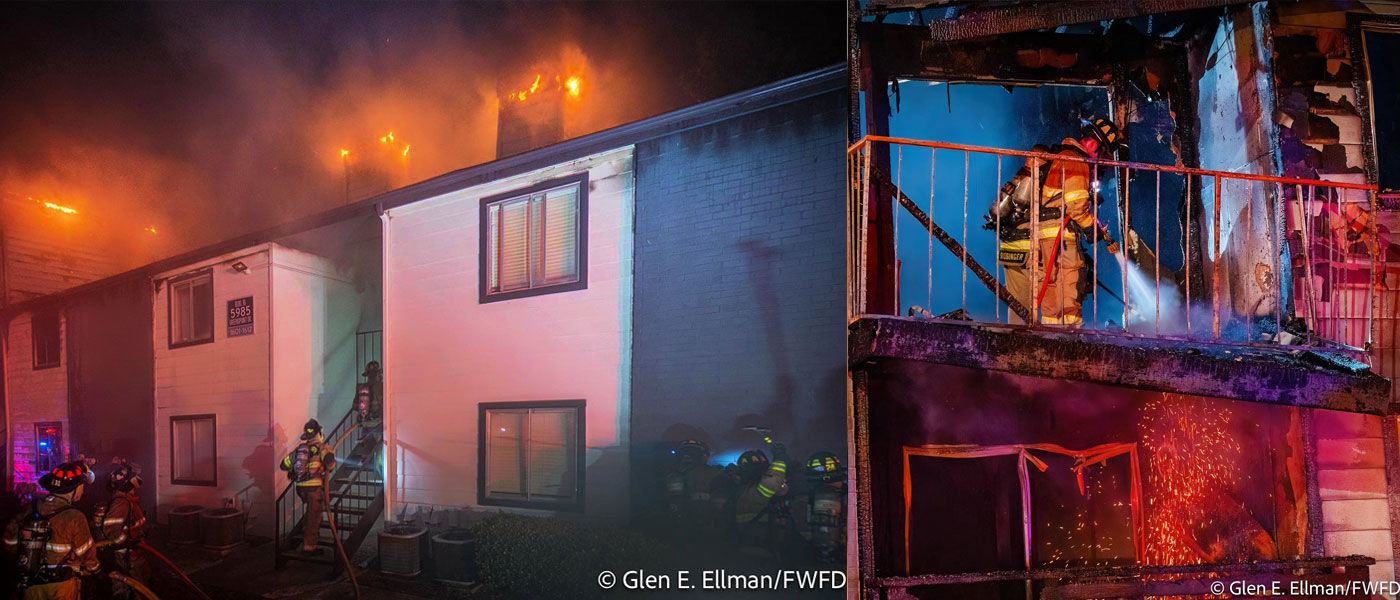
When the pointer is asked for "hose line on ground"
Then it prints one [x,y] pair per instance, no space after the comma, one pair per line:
[134,584]
[177,570]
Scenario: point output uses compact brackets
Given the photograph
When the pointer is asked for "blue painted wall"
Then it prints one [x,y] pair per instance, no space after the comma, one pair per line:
[991,116]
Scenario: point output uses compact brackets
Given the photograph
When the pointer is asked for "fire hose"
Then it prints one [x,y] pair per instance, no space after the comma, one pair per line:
[335,533]
[168,563]
[343,436]
[136,585]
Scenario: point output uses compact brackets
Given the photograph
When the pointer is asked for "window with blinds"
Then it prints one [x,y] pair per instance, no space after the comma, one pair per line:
[534,241]
[191,310]
[193,450]
[531,454]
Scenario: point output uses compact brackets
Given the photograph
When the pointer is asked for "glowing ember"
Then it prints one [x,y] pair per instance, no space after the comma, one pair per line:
[344,153]
[151,229]
[1192,460]
[405,149]
[572,86]
[60,208]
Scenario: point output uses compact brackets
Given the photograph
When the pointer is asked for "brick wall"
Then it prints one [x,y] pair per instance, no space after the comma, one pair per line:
[33,395]
[740,280]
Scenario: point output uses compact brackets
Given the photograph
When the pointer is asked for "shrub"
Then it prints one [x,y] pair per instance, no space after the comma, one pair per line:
[550,557]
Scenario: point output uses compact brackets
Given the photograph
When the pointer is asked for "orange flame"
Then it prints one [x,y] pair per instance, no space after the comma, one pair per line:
[344,153]
[151,229]
[60,208]
[405,149]
[572,85]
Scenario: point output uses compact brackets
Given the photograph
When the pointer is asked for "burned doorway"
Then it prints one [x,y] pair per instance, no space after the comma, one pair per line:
[957,187]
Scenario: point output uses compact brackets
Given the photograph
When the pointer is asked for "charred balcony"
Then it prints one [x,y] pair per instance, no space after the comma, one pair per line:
[1228,285]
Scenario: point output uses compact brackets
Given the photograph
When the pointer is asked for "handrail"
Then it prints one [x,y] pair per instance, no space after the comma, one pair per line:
[867,140]
[1309,246]
[285,524]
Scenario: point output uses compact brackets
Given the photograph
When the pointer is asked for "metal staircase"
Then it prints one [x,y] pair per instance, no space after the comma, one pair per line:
[356,493]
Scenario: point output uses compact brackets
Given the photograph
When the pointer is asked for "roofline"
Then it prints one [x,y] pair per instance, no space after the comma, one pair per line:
[785,91]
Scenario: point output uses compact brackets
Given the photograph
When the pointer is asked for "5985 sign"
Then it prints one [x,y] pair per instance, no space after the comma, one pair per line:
[240,316]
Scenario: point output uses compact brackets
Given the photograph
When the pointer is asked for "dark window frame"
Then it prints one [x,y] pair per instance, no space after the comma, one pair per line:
[170,308]
[1357,27]
[214,421]
[39,468]
[580,406]
[34,339]
[483,252]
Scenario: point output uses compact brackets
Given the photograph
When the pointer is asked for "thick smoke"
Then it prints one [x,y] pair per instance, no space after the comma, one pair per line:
[206,121]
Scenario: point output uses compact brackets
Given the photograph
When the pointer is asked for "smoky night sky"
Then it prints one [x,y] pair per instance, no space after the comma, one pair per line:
[205,121]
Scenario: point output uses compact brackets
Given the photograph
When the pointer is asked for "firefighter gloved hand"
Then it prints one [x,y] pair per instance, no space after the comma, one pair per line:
[1113,247]
[780,453]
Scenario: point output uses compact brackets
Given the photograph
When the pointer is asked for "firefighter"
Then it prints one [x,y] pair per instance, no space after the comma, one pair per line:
[688,488]
[50,540]
[368,395]
[760,502]
[123,524]
[825,509]
[308,466]
[1066,212]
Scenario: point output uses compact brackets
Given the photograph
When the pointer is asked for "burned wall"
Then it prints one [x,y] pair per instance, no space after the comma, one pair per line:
[1235,98]
[1221,480]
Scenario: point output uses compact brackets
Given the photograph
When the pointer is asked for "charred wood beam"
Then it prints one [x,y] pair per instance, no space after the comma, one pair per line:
[1269,375]
[957,249]
[1010,19]
[1213,570]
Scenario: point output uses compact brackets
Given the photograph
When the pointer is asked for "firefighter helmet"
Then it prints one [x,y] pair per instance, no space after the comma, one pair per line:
[753,457]
[310,430]
[125,477]
[67,477]
[1103,131]
[692,451]
[371,369]
[825,467]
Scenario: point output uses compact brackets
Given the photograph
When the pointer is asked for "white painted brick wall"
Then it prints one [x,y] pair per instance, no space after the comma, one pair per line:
[446,353]
[35,396]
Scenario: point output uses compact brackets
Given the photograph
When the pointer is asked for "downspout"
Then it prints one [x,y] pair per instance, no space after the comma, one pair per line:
[390,456]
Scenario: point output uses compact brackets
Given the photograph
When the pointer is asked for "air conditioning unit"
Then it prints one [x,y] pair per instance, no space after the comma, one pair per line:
[402,549]
[454,556]
[221,529]
[184,524]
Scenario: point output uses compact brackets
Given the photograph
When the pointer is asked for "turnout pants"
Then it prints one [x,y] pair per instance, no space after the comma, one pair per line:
[66,590]
[1063,303]
[315,506]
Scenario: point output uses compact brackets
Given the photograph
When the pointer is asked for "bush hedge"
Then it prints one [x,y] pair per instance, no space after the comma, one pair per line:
[550,557]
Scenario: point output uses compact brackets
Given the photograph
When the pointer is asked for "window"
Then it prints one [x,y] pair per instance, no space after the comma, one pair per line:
[535,241]
[191,309]
[531,454]
[193,448]
[48,442]
[47,345]
[1381,41]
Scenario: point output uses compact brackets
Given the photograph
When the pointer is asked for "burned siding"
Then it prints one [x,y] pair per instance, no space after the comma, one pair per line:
[739,286]
[1242,459]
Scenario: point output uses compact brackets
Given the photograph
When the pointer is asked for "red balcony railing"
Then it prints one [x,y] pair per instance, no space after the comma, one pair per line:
[1207,255]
